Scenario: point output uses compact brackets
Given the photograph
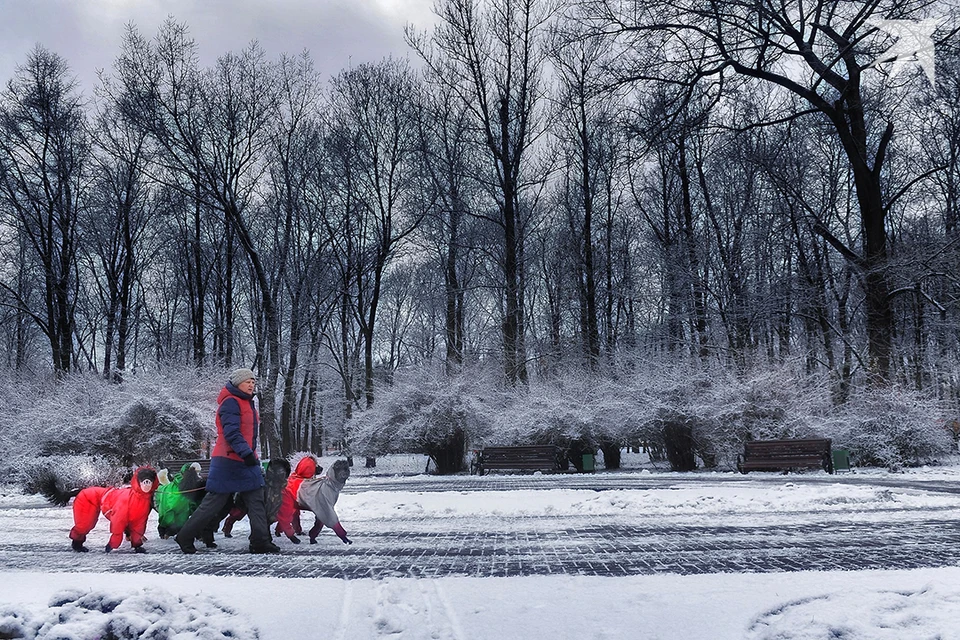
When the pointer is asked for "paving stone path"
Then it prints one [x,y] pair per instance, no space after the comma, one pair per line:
[640,481]
[518,546]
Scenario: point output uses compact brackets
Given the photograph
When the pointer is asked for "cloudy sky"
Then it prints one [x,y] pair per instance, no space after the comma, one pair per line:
[88,32]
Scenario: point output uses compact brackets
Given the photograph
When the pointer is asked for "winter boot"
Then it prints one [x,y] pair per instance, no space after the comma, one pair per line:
[228,527]
[186,545]
[76,545]
[266,547]
[207,538]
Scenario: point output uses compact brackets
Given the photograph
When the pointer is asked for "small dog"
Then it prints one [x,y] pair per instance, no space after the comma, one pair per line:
[278,470]
[127,508]
[288,515]
[275,480]
[320,495]
[177,498]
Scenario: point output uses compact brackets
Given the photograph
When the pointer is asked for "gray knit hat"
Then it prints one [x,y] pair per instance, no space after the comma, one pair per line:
[241,375]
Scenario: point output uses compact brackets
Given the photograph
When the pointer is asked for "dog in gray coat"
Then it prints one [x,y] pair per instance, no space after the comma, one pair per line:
[320,495]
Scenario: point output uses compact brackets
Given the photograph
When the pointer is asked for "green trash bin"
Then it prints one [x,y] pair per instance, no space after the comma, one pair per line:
[841,460]
[589,463]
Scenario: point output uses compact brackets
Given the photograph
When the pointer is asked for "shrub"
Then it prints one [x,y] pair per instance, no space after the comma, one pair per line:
[71,472]
[579,413]
[436,416]
[707,412]
[120,425]
[151,429]
[143,431]
[890,429]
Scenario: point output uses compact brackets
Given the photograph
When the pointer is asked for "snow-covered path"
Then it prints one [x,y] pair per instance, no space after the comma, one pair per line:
[615,556]
[625,525]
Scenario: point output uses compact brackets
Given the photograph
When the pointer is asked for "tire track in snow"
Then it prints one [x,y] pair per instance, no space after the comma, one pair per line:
[345,606]
[451,615]
[413,614]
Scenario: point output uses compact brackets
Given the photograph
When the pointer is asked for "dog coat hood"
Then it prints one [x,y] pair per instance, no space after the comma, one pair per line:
[141,474]
[307,467]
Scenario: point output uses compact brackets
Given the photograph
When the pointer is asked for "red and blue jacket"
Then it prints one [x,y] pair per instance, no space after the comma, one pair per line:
[238,428]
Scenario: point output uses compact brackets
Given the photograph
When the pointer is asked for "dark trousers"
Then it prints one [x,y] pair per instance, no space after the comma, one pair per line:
[211,509]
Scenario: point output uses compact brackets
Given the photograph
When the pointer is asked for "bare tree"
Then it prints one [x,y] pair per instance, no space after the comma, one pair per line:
[820,51]
[492,55]
[588,129]
[449,162]
[300,200]
[664,188]
[44,154]
[118,227]
[211,127]
[375,106]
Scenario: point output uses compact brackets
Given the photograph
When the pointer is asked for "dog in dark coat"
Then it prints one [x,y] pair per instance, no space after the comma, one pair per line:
[275,480]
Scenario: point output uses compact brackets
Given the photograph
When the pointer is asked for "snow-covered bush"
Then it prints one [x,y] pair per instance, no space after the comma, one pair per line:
[686,411]
[707,412]
[890,428]
[436,415]
[577,412]
[142,430]
[149,417]
[153,613]
[151,429]
[70,472]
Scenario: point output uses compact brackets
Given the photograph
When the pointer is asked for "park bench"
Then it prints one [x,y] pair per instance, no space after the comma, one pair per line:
[785,455]
[536,457]
[174,466]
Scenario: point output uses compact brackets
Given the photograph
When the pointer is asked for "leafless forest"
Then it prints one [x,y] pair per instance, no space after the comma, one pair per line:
[730,219]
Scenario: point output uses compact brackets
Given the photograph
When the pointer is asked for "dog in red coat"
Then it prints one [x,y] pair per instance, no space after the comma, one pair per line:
[127,509]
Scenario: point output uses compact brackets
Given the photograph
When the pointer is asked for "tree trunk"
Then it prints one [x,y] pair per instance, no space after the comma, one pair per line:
[697,292]
[611,455]
[679,445]
[287,424]
[198,299]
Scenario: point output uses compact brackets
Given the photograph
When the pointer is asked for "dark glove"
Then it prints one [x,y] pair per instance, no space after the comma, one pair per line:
[139,549]
[108,548]
[346,540]
[251,460]
[294,539]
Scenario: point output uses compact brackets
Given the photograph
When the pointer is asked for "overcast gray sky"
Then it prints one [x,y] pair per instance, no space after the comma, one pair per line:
[87,32]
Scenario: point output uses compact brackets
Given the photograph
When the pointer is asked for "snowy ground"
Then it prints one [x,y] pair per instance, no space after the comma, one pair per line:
[68,600]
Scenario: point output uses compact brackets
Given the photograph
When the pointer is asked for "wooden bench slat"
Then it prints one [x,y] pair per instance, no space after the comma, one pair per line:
[790,458]
[782,463]
[520,457]
[773,455]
